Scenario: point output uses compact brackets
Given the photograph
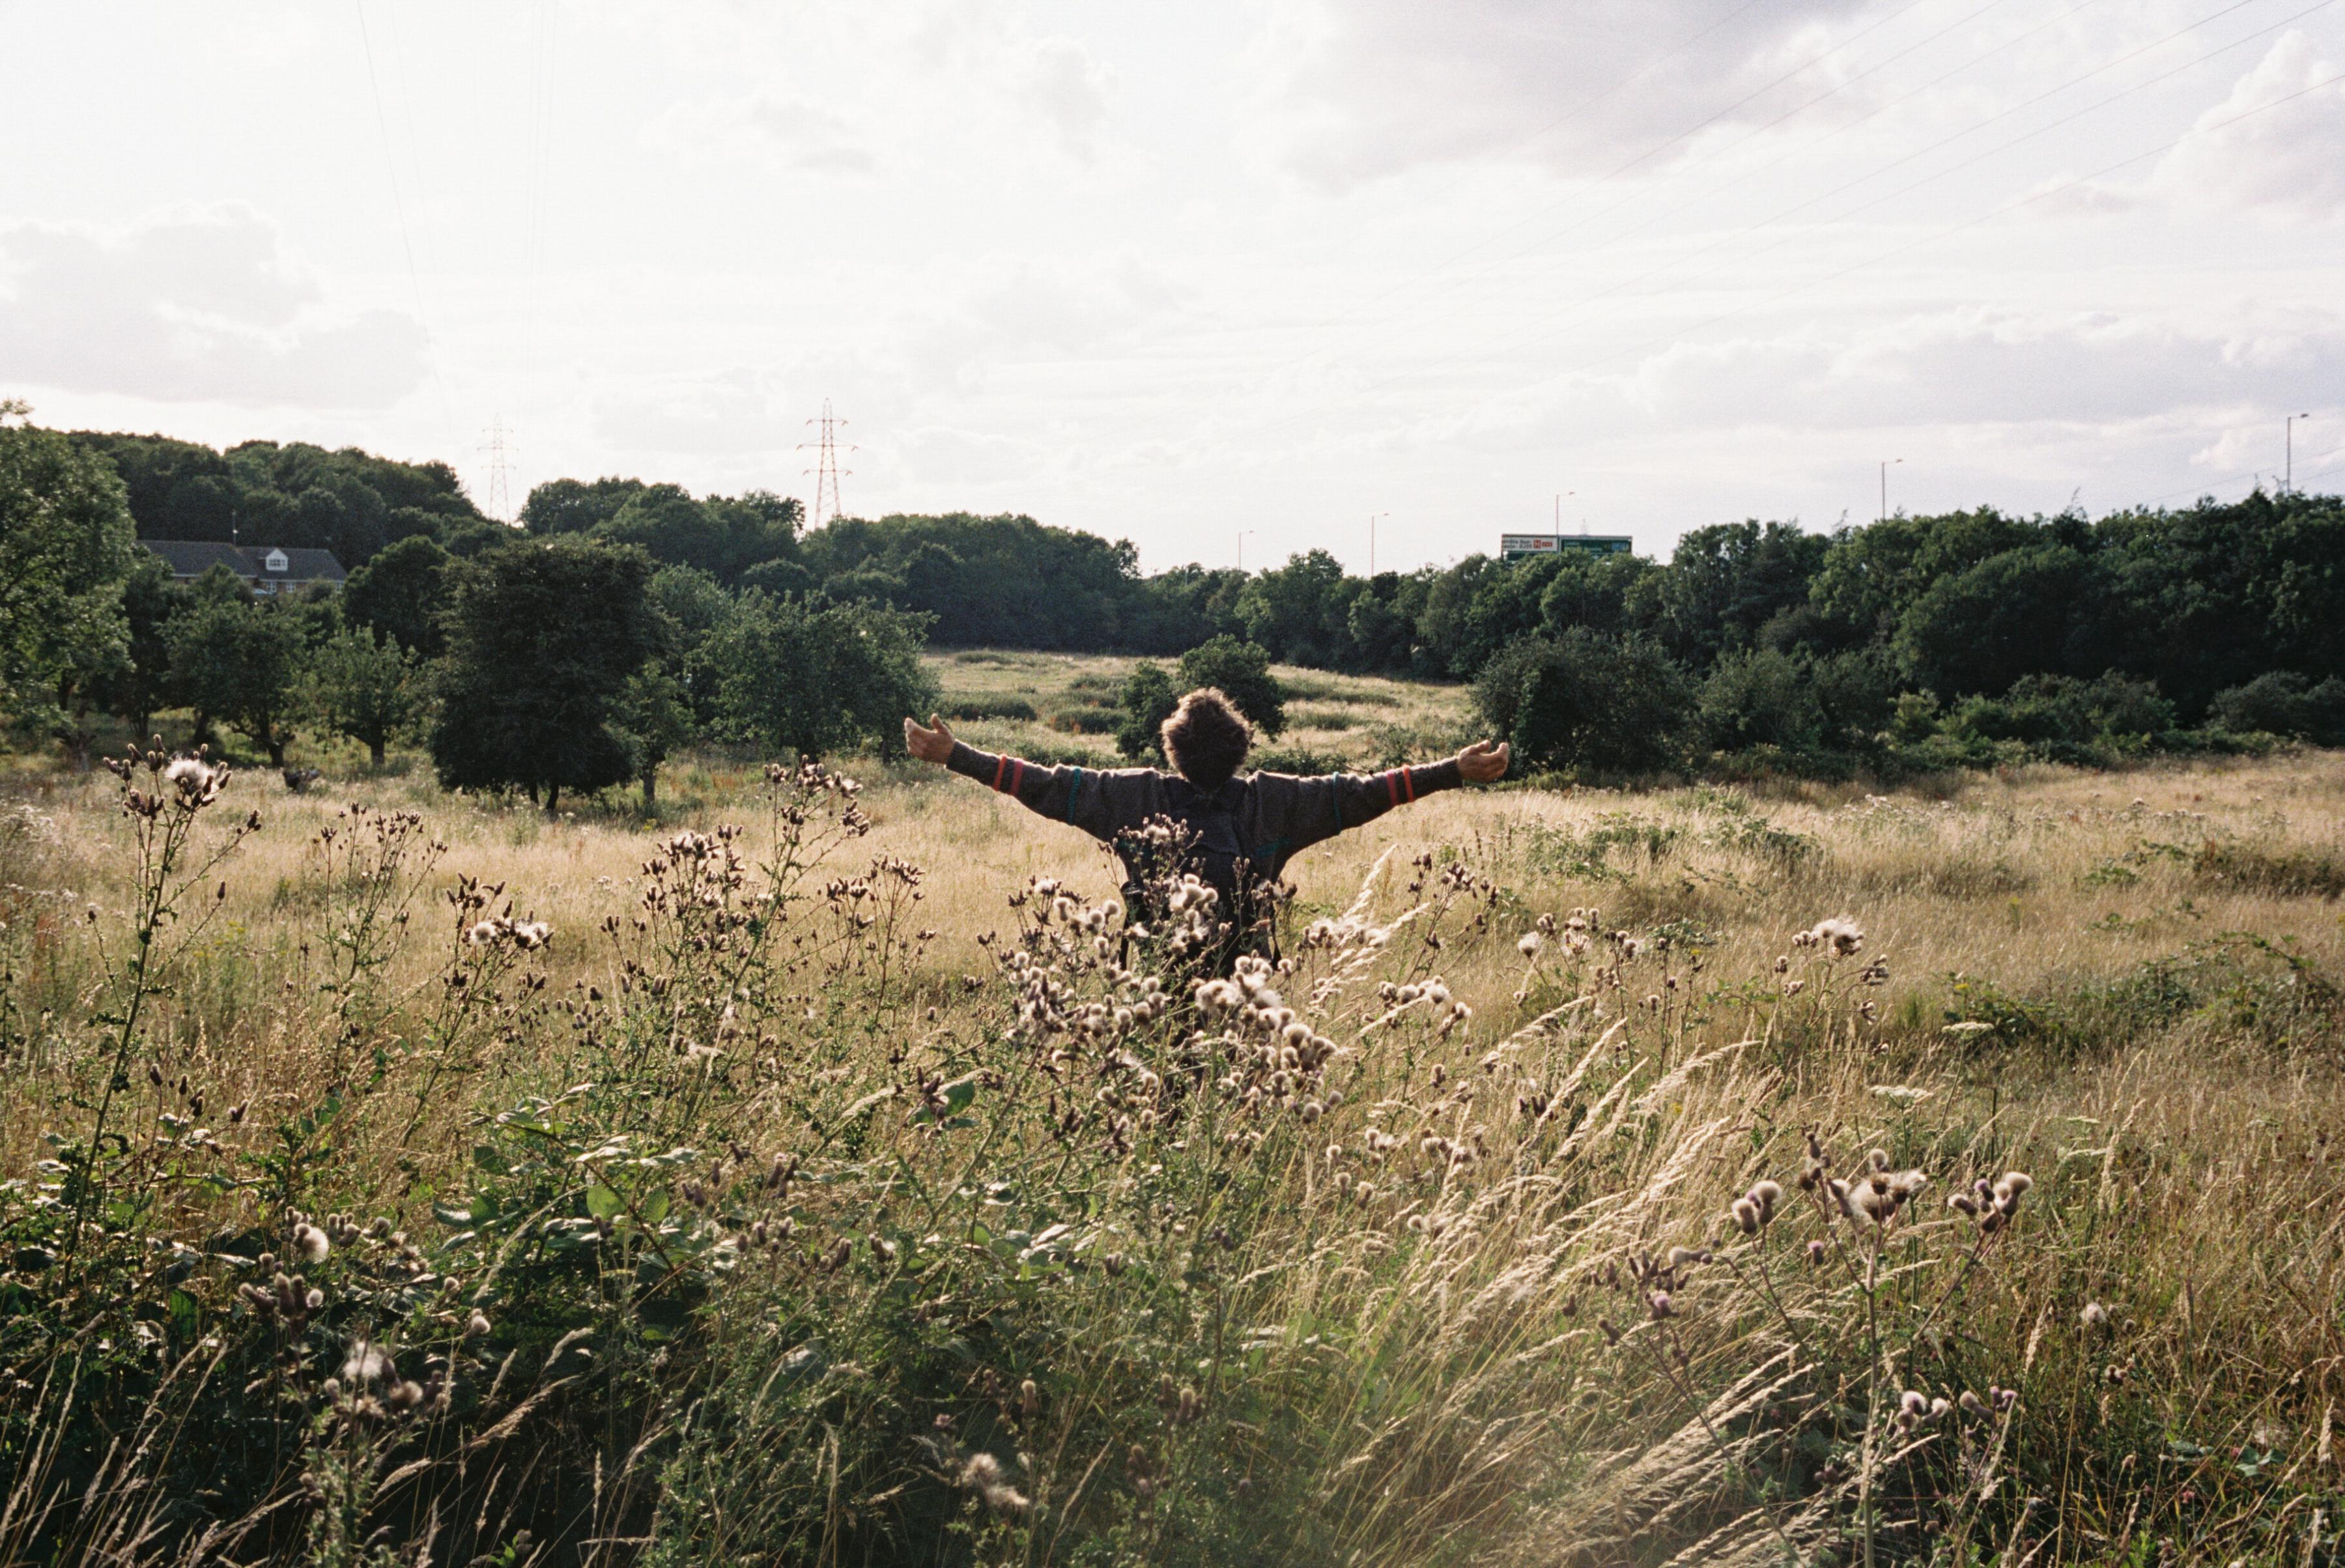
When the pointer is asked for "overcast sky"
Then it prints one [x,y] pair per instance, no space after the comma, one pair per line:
[1170,272]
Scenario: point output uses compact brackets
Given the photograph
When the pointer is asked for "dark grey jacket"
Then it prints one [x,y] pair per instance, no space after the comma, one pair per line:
[1278,815]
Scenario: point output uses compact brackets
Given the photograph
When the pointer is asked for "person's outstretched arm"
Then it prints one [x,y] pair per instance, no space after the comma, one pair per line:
[1299,812]
[1102,801]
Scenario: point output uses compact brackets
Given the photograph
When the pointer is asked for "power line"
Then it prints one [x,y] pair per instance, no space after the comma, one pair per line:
[2209,486]
[398,211]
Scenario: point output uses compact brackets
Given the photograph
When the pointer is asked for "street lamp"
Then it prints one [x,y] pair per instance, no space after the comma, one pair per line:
[2289,487]
[1885,464]
[1242,539]
[1372,540]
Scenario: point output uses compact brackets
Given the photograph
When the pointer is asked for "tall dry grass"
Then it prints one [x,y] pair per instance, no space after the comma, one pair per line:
[1471,1285]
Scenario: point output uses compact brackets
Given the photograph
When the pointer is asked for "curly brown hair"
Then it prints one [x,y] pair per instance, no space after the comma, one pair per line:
[1207,737]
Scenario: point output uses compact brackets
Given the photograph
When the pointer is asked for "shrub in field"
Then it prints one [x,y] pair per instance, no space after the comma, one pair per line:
[238,659]
[2282,702]
[1239,669]
[1150,696]
[1587,699]
[366,689]
[804,676]
[1761,698]
[988,705]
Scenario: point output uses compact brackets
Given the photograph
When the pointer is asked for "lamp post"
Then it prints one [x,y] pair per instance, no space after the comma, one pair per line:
[1885,464]
[1372,540]
[2289,487]
[1242,539]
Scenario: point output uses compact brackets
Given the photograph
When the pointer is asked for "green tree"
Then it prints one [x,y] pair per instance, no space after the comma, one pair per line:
[235,658]
[2282,702]
[1871,576]
[1762,696]
[655,713]
[1300,611]
[1242,670]
[66,546]
[1587,700]
[2035,611]
[150,600]
[542,639]
[1149,696]
[1725,582]
[261,492]
[363,684]
[572,506]
[399,593]
[805,676]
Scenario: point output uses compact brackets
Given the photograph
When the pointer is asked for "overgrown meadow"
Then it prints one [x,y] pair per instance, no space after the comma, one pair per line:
[829,1173]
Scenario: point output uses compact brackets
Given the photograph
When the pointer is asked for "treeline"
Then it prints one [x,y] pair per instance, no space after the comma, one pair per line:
[530,665]
[1961,638]
[1923,642]
[295,495]
[983,580]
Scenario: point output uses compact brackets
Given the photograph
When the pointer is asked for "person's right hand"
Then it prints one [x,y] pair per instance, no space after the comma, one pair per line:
[934,744]
[1483,762]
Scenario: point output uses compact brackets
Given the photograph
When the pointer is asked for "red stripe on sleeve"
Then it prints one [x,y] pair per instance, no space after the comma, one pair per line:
[1409,780]
[1392,789]
[999,763]
[1018,775]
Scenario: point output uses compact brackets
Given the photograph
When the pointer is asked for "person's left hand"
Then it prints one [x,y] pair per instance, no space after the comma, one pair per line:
[1483,761]
[934,744]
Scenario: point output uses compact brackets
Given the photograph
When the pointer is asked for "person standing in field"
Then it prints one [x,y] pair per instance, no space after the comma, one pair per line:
[1237,832]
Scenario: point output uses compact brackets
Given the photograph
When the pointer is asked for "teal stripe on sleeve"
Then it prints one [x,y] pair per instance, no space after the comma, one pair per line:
[1074,788]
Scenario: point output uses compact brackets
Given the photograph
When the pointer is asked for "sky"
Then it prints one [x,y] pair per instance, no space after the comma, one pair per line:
[1228,280]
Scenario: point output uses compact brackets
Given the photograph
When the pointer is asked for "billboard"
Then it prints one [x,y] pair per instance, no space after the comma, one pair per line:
[1514,546]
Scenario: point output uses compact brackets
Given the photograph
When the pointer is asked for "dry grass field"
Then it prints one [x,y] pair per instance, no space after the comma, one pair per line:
[1063,707]
[850,1225]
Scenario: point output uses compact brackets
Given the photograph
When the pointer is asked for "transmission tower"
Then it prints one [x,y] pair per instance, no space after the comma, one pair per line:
[500,496]
[826,470]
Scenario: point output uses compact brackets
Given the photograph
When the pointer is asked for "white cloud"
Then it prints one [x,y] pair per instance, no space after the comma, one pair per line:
[1058,259]
[724,415]
[762,125]
[2289,161]
[1369,87]
[1071,91]
[193,306]
[1954,369]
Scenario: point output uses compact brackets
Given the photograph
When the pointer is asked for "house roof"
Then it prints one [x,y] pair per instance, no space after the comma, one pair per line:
[254,563]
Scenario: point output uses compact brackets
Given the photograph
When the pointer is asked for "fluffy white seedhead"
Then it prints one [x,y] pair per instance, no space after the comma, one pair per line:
[1838,937]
